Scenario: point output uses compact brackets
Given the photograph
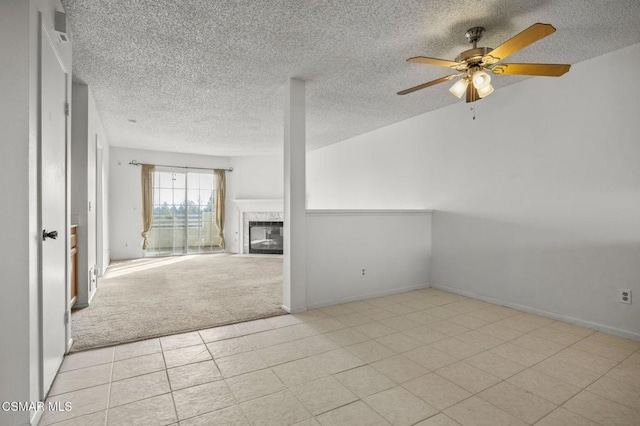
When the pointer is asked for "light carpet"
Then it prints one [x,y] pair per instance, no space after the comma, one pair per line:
[145,298]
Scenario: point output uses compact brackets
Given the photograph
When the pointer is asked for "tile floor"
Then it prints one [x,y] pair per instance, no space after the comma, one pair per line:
[425,357]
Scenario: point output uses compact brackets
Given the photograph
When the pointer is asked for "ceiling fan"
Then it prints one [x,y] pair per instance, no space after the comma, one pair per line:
[474,63]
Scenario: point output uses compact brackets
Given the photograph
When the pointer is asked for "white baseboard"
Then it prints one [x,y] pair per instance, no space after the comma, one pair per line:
[551,315]
[365,296]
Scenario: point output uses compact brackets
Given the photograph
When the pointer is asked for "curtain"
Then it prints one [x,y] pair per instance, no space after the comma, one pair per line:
[219,206]
[147,201]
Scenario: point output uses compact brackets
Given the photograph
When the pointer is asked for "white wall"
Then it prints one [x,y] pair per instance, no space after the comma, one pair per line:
[87,132]
[125,214]
[253,178]
[19,259]
[537,200]
[393,248]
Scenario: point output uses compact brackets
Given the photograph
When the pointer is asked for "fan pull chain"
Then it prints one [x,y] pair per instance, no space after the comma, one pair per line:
[472,108]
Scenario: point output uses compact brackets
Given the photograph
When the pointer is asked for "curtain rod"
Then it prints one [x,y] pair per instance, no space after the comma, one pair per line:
[135,163]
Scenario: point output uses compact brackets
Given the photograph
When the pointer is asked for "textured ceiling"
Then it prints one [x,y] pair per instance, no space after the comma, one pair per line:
[204,76]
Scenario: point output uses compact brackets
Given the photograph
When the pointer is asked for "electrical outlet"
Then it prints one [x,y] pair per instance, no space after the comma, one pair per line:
[625,296]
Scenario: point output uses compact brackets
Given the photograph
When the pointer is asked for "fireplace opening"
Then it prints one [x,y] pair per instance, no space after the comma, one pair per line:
[266,238]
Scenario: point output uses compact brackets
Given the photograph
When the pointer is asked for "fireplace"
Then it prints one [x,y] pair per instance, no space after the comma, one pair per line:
[266,237]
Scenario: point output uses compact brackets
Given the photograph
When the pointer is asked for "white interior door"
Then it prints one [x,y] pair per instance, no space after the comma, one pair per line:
[53,202]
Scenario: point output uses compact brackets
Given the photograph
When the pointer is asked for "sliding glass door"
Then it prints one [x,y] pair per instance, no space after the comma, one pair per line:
[183,212]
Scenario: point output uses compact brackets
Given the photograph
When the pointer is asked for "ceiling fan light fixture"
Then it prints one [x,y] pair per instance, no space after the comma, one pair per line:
[485,91]
[481,80]
[460,87]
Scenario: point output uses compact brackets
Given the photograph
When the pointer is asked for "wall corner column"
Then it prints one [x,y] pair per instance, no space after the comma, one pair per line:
[294,289]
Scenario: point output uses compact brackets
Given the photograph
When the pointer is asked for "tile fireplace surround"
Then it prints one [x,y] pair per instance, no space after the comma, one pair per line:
[256,210]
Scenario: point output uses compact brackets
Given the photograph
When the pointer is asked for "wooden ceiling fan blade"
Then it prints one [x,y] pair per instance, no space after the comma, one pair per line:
[547,70]
[434,61]
[520,41]
[428,84]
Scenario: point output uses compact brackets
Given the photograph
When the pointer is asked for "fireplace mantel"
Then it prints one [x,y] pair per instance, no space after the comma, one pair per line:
[257,209]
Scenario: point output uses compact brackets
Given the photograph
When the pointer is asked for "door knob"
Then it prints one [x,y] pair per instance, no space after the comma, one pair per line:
[53,235]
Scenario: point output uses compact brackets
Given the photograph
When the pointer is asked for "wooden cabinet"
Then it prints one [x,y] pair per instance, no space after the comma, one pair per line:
[74,264]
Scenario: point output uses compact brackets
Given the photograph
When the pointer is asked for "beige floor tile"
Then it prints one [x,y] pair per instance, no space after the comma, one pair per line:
[180,341]
[85,401]
[323,395]
[616,341]
[399,323]
[283,321]
[139,387]
[346,336]
[359,306]
[626,373]
[449,328]
[564,417]
[299,331]
[230,416]
[495,364]
[82,378]
[421,317]
[251,327]
[316,345]
[356,414]
[187,355]
[489,314]
[398,308]
[566,372]
[336,361]
[399,342]
[442,312]
[557,335]
[399,368]
[467,376]
[279,354]
[152,411]
[364,381]
[438,420]
[87,359]
[477,412]
[430,357]
[617,391]
[281,408]
[300,371]
[468,305]
[370,351]
[469,321]
[538,344]
[571,328]
[219,333]
[603,349]
[134,349]
[336,310]
[378,314]
[353,319]
[545,386]
[479,339]
[235,365]
[425,334]
[437,391]
[501,332]
[326,325]
[518,354]
[93,419]
[400,407]
[311,315]
[196,400]
[525,322]
[457,349]
[375,329]
[517,402]
[254,385]
[602,410]
[193,374]
[228,347]
[267,338]
[586,360]
[137,366]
